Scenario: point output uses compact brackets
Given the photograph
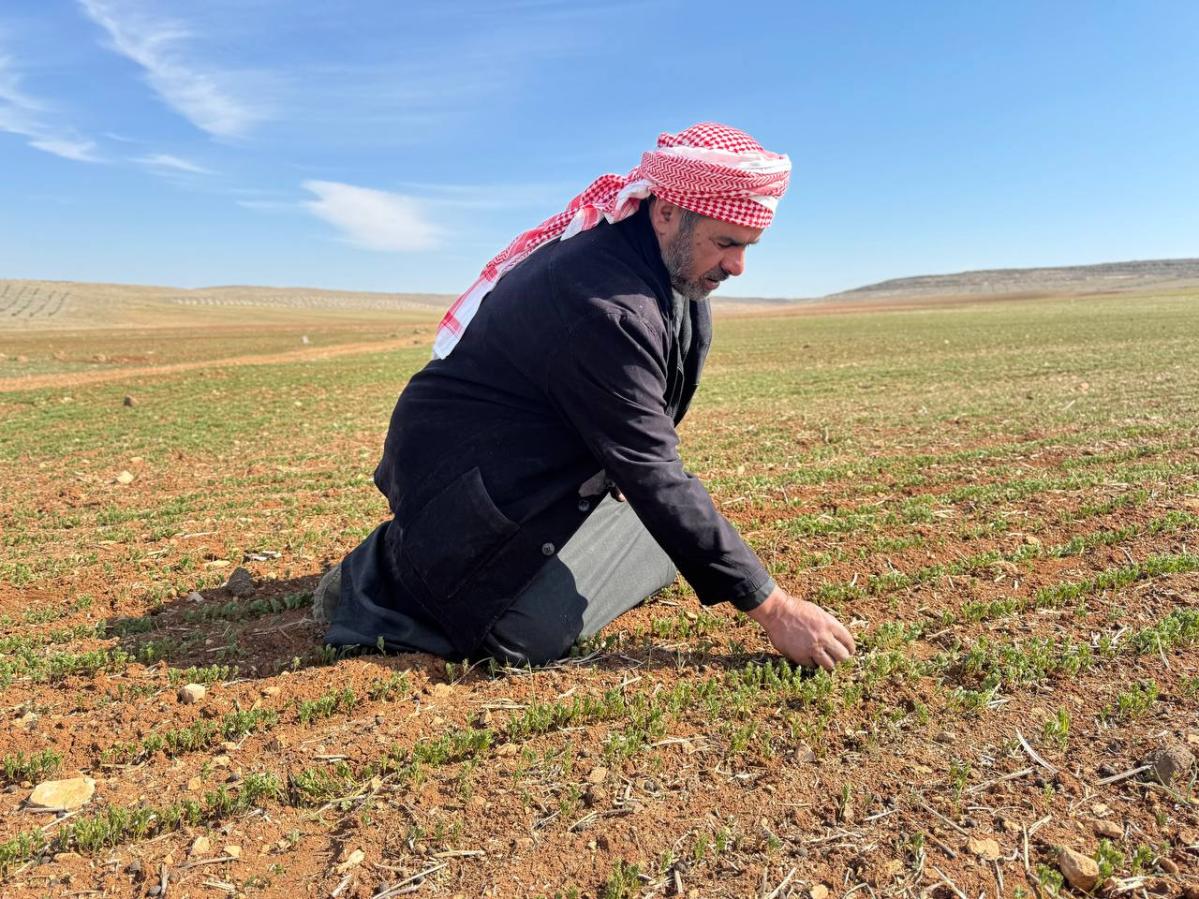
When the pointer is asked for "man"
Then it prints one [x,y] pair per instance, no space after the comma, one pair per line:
[511,455]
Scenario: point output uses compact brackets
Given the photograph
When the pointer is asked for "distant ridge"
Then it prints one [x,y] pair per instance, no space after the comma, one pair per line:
[1102,278]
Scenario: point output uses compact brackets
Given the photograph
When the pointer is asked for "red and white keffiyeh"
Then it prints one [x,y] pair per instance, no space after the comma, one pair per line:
[711,169]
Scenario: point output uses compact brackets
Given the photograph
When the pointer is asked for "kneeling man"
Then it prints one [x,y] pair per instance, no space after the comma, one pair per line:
[532,467]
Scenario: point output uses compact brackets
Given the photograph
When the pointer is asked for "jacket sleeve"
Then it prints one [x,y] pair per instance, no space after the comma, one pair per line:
[608,380]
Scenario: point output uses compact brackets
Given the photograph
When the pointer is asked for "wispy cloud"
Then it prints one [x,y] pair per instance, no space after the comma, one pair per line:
[373,219]
[202,95]
[167,162]
[28,117]
[78,150]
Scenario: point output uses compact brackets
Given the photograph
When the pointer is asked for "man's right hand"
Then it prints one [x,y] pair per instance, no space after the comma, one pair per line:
[802,631]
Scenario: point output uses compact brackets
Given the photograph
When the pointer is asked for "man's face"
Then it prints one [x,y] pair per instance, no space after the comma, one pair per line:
[700,252]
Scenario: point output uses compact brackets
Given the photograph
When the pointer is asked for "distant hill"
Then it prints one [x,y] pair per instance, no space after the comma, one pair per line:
[1103,278]
[61,305]
[57,305]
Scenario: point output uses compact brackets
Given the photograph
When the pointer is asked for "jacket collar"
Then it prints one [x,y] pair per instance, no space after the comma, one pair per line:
[639,233]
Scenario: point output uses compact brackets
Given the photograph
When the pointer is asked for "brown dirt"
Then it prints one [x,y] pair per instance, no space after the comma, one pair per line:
[879,791]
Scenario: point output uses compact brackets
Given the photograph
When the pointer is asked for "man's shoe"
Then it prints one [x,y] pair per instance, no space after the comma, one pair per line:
[327,596]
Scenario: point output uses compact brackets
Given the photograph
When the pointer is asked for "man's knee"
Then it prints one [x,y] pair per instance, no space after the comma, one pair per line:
[521,639]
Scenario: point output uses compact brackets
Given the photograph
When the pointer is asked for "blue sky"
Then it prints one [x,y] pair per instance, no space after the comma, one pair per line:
[397,145]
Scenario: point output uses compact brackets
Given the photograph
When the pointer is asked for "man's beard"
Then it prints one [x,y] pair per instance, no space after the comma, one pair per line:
[679,256]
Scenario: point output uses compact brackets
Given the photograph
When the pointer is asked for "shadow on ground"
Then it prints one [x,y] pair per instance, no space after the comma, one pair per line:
[266,627]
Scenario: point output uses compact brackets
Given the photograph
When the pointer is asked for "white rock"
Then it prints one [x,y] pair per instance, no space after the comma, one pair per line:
[986,848]
[353,860]
[69,794]
[190,694]
[125,477]
[1081,871]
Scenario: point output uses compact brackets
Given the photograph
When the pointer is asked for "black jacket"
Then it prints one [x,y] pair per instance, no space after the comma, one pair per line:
[496,454]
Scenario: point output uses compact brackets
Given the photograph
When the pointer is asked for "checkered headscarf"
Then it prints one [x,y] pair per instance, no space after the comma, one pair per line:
[711,169]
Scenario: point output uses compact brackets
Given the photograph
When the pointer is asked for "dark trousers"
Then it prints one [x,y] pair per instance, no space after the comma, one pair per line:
[610,565]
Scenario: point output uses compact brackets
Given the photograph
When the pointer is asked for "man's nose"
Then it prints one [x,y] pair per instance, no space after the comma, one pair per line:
[734,261]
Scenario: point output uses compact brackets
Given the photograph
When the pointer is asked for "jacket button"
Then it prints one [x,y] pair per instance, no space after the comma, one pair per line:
[547,549]
[584,505]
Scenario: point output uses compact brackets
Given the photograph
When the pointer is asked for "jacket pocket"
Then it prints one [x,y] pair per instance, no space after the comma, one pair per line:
[454,534]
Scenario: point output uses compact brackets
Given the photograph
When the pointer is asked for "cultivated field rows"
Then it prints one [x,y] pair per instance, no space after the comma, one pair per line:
[1001,501]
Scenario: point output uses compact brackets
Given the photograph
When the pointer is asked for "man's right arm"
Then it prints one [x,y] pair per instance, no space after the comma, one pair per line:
[608,379]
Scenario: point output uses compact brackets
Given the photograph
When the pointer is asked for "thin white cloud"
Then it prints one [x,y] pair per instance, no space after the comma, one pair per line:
[78,150]
[269,205]
[26,116]
[165,161]
[520,195]
[373,219]
[204,97]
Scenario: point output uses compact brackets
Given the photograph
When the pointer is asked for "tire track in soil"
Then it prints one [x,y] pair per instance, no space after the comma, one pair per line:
[315,354]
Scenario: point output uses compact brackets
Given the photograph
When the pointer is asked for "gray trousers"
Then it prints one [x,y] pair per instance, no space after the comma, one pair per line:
[610,565]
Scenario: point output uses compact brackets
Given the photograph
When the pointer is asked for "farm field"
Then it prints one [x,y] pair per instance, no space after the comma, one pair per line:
[1000,499]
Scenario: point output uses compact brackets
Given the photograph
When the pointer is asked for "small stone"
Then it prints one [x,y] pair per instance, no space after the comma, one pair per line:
[240,583]
[1167,865]
[233,851]
[125,477]
[818,891]
[598,775]
[507,749]
[804,753]
[946,736]
[193,597]
[1171,763]
[1081,871]
[1109,829]
[442,690]
[190,694]
[195,785]
[221,761]
[353,860]
[1009,825]
[200,846]
[68,795]
[986,848]
[154,890]
[1101,809]
[134,867]
[128,401]
[1190,891]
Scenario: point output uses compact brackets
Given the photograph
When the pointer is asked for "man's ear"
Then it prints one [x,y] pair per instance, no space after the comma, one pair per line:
[664,217]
